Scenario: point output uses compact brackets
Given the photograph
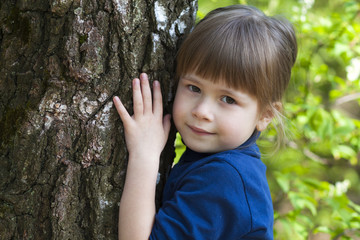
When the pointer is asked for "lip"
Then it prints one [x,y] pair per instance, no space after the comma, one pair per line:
[199,131]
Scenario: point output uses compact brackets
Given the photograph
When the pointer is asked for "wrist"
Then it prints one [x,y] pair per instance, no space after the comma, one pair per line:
[144,163]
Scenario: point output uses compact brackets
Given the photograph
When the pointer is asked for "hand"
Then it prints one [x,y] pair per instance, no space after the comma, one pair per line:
[146,132]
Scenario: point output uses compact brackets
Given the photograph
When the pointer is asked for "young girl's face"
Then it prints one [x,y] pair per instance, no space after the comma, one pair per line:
[211,117]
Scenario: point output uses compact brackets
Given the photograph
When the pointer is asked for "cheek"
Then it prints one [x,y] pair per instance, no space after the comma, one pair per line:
[229,128]
[237,127]
[178,109]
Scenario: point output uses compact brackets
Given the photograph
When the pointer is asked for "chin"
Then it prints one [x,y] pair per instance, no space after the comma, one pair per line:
[203,149]
[209,149]
[197,148]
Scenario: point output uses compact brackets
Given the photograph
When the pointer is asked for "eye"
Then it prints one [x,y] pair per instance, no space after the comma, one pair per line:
[193,88]
[228,100]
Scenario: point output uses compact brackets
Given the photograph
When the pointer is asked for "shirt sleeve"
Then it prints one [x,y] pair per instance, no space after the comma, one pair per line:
[210,202]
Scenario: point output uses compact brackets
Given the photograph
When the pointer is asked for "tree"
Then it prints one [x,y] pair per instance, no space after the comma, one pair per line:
[62,151]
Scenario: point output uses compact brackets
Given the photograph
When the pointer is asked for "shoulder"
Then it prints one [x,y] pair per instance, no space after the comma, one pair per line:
[248,166]
[252,172]
[234,163]
[209,200]
[232,176]
[235,168]
[225,170]
[210,197]
[241,178]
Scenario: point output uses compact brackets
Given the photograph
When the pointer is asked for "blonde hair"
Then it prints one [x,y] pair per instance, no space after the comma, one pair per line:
[245,49]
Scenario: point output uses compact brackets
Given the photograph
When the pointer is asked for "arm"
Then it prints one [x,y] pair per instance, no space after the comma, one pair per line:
[146,133]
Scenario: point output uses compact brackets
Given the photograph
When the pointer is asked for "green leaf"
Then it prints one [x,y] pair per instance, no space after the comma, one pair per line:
[316,184]
[321,121]
[323,229]
[283,181]
[302,201]
[343,151]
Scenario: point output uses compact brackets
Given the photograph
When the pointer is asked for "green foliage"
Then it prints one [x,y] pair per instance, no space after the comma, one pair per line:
[314,180]
[179,148]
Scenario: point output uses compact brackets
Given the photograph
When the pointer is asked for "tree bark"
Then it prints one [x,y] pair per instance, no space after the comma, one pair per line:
[62,151]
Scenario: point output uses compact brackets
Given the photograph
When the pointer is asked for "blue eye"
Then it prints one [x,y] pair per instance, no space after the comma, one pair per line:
[228,100]
[194,88]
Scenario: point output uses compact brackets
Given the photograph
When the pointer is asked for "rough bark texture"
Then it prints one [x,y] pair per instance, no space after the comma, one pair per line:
[62,152]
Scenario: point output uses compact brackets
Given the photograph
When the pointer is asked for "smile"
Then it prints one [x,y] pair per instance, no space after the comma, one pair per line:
[199,131]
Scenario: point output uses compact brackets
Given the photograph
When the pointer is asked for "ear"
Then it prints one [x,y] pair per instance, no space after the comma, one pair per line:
[267,115]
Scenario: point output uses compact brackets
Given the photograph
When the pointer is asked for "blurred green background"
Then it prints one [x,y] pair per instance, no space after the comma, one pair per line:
[314,178]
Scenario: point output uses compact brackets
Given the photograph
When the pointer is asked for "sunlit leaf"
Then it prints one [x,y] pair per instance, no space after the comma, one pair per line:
[283,181]
[343,151]
[301,201]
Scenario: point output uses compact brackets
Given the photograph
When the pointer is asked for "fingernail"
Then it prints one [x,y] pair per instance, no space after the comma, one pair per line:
[156,83]
[143,75]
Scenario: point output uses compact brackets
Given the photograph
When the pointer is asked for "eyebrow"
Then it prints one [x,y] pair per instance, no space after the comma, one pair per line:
[192,78]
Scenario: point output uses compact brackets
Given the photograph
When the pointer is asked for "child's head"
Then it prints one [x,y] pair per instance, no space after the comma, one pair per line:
[242,47]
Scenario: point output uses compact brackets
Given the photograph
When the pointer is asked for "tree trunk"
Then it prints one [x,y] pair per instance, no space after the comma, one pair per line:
[62,151]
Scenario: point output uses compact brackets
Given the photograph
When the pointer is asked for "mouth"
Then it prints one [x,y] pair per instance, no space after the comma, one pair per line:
[199,131]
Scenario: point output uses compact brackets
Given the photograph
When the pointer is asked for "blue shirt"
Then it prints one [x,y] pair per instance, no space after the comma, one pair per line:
[216,196]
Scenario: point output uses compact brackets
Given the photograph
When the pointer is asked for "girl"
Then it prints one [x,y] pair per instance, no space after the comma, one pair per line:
[232,72]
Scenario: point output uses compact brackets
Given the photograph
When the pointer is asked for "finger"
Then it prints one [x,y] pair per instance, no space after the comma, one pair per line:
[146,93]
[137,98]
[123,113]
[157,105]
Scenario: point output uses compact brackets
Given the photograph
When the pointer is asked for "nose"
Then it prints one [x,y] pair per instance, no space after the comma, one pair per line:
[203,110]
